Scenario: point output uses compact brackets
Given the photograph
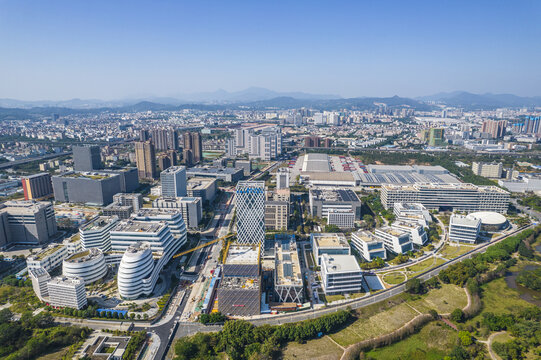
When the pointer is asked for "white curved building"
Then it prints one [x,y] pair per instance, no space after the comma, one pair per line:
[491,221]
[89,265]
[136,275]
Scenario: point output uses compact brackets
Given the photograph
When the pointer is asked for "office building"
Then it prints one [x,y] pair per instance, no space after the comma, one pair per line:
[121,211]
[344,219]
[495,128]
[89,265]
[194,144]
[136,275]
[368,245]
[204,188]
[412,212]
[40,277]
[464,228]
[173,218]
[489,170]
[73,244]
[417,232]
[245,165]
[49,258]
[173,182]
[250,204]
[282,178]
[86,158]
[288,286]
[395,240]
[37,187]
[328,243]
[26,222]
[230,175]
[276,215]
[324,201]
[134,200]
[87,188]
[190,207]
[97,233]
[67,292]
[145,157]
[340,274]
[239,291]
[457,197]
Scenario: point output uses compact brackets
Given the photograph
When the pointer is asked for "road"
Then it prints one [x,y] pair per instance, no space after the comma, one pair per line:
[37,158]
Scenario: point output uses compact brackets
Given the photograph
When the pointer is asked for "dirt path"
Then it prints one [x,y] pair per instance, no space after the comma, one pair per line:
[488,343]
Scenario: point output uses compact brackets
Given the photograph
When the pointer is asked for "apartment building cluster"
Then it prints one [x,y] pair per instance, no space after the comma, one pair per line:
[264,144]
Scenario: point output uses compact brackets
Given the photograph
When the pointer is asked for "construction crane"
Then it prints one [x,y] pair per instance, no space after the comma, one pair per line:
[202,245]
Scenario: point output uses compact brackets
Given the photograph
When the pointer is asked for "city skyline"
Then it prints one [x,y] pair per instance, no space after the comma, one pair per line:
[114,51]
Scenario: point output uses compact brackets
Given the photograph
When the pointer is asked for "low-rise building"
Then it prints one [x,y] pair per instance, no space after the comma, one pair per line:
[464,228]
[344,219]
[218,173]
[417,233]
[412,212]
[67,292]
[341,274]
[328,243]
[49,258]
[134,200]
[121,211]
[368,245]
[396,241]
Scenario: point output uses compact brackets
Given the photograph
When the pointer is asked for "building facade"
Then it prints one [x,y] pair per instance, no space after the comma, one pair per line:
[26,222]
[276,215]
[341,274]
[37,187]
[368,245]
[250,204]
[464,229]
[173,181]
[86,158]
[67,292]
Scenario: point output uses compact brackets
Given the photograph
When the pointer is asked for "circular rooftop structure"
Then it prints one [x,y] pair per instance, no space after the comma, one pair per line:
[491,221]
[88,265]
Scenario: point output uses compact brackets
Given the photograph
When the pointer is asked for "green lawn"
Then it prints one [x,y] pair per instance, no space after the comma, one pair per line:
[425,265]
[319,349]
[433,342]
[331,298]
[453,251]
[444,300]
[393,278]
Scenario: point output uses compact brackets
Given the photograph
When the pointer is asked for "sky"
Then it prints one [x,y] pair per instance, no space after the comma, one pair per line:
[58,50]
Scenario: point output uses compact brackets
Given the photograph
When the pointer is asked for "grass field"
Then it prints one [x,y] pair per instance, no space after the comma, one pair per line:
[502,338]
[444,300]
[433,342]
[331,298]
[451,252]
[425,265]
[319,349]
[393,278]
[380,323]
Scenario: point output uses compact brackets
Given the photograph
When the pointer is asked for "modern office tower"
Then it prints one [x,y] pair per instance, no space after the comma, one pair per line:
[323,201]
[245,165]
[193,142]
[368,245]
[173,181]
[67,292]
[26,222]
[417,232]
[94,189]
[496,128]
[144,135]
[134,200]
[40,277]
[341,274]
[328,243]
[190,207]
[489,170]
[344,219]
[38,186]
[145,157]
[205,188]
[73,244]
[282,178]
[88,265]
[86,158]
[173,218]
[49,258]
[412,212]
[288,285]
[250,203]
[464,228]
[276,215]
[458,197]
[396,241]
[97,233]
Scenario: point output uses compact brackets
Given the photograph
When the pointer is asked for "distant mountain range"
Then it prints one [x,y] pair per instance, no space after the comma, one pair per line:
[482,101]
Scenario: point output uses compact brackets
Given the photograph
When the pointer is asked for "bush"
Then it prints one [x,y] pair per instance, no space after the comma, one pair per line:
[457,315]
[414,286]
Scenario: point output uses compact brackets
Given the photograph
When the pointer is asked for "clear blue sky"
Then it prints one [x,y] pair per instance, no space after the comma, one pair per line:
[119,49]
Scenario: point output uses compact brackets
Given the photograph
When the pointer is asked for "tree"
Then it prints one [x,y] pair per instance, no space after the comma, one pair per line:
[465,338]
[415,286]
[457,315]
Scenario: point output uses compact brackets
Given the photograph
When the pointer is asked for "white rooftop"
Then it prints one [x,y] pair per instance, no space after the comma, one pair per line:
[340,263]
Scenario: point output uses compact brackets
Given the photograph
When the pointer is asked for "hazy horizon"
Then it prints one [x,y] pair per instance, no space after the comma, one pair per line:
[64,50]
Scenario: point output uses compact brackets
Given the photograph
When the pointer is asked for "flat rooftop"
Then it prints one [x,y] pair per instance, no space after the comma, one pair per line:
[316,163]
[213,170]
[288,270]
[99,223]
[46,252]
[462,220]
[139,226]
[66,280]
[391,231]
[330,240]
[241,283]
[339,195]
[83,256]
[367,237]
[340,263]
[450,187]
[199,183]
[242,255]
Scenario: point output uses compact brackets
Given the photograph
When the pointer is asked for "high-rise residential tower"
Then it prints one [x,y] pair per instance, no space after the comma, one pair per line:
[250,202]
[193,143]
[146,159]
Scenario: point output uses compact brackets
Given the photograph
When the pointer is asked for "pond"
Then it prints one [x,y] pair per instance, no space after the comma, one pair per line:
[531,296]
